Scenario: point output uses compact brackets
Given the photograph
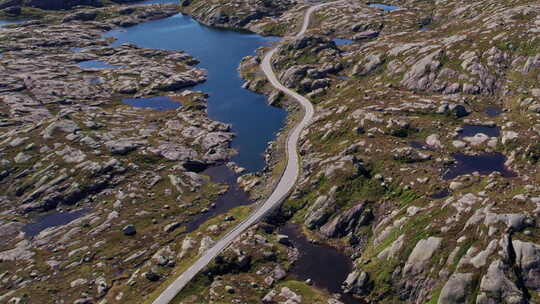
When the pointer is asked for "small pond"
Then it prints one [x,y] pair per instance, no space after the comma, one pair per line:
[492,111]
[234,197]
[384,7]
[483,164]
[325,266]
[339,41]
[52,220]
[160,103]
[472,130]
[441,194]
[420,145]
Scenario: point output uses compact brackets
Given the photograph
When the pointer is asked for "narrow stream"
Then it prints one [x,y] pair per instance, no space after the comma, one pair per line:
[234,197]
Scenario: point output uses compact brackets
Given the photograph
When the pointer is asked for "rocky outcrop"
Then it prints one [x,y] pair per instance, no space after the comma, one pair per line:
[346,222]
[231,14]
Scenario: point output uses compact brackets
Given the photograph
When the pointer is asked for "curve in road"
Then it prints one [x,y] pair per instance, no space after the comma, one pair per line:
[279,194]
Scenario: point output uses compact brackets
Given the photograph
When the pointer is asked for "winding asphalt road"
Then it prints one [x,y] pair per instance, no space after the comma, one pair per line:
[283,188]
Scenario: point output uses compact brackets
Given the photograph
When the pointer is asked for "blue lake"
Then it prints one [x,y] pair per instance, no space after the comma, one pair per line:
[385,7]
[220,52]
[160,103]
[97,64]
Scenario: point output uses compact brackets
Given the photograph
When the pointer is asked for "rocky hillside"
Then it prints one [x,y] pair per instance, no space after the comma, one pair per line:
[11,7]
[235,14]
[422,163]
[126,180]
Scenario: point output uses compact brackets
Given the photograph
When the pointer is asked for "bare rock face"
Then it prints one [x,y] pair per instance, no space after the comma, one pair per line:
[457,289]
[497,287]
[226,14]
[421,254]
[347,221]
[528,261]
[320,211]
[60,4]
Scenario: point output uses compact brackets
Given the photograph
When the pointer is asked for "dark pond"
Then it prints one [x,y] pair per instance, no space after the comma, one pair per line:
[97,64]
[325,266]
[234,196]
[441,194]
[472,130]
[339,41]
[220,52]
[492,111]
[160,103]
[483,164]
[420,145]
[52,220]
[385,7]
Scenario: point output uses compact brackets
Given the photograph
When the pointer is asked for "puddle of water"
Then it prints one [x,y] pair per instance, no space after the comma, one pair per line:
[52,220]
[160,103]
[420,146]
[5,22]
[492,111]
[483,164]
[76,49]
[441,194]
[471,130]
[325,266]
[220,52]
[385,7]
[339,41]
[97,64]
[234,196]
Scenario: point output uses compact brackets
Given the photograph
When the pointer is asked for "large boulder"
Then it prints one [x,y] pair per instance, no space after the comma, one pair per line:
[421,254]
[528,260]
[457,289]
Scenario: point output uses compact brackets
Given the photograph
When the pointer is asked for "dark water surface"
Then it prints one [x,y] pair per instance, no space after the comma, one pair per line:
[220,52]
[234,196]
[160,103]
[52,220]
[483,164]
[325,266]
[472,130]
[441,194]
[492,111]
